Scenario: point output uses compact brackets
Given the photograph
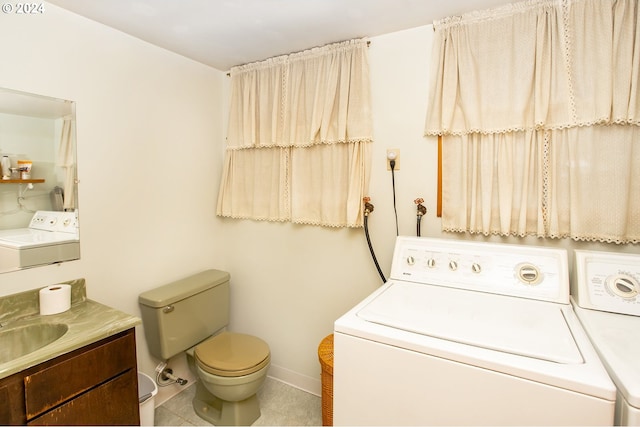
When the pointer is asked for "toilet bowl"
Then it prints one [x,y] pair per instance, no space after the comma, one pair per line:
[191,315]
[230,368]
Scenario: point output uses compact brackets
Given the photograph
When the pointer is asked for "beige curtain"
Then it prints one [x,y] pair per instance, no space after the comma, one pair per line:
[66,160]
[538,103]
[594,183]
[298,145]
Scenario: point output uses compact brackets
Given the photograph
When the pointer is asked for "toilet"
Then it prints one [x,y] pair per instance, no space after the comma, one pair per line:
[191,315]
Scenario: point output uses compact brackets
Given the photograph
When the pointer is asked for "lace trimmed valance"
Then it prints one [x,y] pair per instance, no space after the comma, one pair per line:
[306,98]
[537,64]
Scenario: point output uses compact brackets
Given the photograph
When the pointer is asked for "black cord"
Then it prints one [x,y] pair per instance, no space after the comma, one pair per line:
[418,226]
[373,255]
[392,164]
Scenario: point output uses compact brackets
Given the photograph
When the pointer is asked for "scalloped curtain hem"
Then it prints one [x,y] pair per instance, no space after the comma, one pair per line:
[603,122]
[302,145]
[577,238]
[299,222]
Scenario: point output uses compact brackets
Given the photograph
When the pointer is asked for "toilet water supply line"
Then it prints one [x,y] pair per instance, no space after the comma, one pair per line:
[368,208]
[165,377]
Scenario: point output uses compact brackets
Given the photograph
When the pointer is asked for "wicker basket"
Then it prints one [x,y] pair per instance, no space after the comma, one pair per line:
[325,354]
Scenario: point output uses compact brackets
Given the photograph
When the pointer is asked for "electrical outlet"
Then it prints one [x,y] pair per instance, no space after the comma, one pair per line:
[393,154]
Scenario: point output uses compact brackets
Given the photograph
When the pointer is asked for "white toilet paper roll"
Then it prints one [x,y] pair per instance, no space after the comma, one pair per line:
[55,299]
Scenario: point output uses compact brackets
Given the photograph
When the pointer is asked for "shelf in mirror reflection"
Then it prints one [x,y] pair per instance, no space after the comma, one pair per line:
[22,181]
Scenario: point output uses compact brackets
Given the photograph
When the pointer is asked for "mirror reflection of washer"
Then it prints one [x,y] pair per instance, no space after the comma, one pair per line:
[51,237]
[475,345]
[604,291]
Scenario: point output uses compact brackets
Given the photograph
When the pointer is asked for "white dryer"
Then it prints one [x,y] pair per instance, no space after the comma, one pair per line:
[467,333]
[605,291]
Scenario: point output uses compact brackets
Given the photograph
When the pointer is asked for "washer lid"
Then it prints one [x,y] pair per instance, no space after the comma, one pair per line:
[524,327]
[232,354]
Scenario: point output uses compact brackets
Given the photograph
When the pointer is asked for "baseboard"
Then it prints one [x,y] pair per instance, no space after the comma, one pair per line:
[295,379]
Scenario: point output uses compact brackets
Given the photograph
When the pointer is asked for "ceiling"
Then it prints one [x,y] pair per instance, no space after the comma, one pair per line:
[224,33]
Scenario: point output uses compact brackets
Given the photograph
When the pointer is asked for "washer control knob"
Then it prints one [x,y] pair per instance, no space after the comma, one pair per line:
[529,274]
[476,268]
[431,263]
[411,260]
[623,285]
[453,265]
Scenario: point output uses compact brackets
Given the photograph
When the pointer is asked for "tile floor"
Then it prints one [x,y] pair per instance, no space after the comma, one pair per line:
[280,404]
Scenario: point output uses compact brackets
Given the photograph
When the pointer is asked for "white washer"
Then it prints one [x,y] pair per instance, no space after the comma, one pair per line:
[467,333]
[605,293]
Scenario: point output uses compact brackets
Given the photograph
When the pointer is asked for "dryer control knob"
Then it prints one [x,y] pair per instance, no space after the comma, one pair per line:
[411,260]
[431,263]
[476,268]
[453,265]
[623,285]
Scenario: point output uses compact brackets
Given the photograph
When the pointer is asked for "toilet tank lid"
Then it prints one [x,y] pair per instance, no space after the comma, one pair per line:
[183,288]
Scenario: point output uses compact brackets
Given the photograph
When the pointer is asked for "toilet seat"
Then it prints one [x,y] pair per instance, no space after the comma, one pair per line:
[231,354]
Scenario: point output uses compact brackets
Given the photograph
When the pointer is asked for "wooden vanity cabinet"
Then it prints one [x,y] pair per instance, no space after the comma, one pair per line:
[94,385]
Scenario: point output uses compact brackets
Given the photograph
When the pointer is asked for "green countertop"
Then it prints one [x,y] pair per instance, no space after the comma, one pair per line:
[87,320]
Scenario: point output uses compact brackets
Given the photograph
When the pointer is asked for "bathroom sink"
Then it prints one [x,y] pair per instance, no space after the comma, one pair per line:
[22,340]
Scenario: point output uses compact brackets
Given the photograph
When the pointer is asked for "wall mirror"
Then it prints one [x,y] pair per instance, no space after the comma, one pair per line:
[38,187]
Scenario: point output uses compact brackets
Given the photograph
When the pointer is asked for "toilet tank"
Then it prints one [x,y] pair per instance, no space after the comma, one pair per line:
[180,314]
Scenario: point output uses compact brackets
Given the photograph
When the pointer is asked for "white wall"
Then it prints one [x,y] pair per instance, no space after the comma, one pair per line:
[151,129]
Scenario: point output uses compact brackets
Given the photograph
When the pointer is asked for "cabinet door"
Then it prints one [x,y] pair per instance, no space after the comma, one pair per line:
[108,404]
[96,384]
[12,401]
[72,376]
